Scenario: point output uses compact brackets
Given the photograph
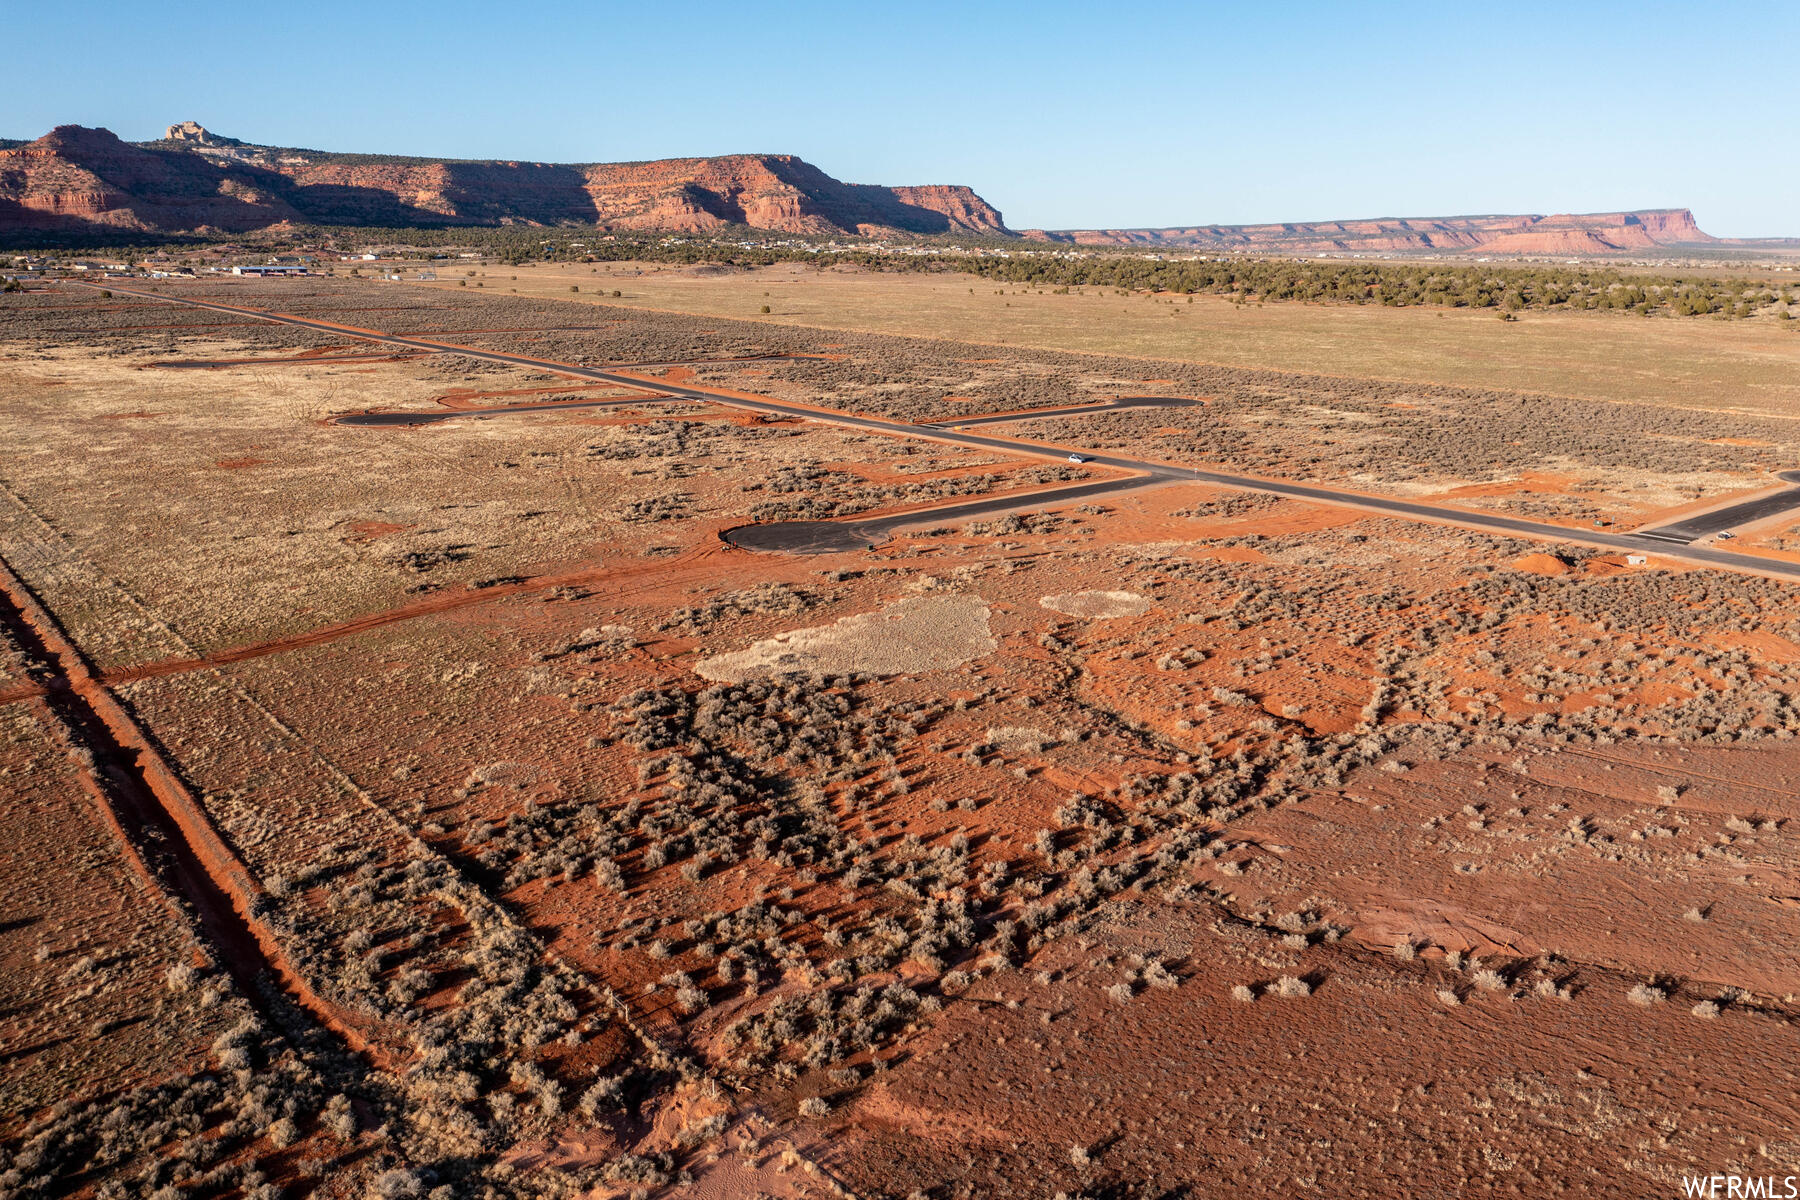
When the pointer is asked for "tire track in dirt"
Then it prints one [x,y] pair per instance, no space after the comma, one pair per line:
[142,799]
[247,947]
[85,759]
[13,693]
[661,569]
[657,1047]
[216,364]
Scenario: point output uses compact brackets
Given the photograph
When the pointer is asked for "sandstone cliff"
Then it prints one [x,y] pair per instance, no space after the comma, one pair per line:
[75,178]
[1583,234]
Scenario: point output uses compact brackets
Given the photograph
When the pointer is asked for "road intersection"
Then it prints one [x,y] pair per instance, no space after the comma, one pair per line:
[819,537]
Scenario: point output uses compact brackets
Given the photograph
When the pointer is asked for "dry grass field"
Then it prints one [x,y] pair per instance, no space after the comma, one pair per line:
[1724,366]
[508,833]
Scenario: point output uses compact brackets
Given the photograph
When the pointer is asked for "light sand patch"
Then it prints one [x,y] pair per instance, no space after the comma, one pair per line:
[496,774]
[1018,737]
[923,633]
[1363,552]
[1098,604]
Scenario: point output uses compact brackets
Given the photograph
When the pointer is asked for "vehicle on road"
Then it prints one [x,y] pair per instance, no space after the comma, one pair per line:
[1078,458]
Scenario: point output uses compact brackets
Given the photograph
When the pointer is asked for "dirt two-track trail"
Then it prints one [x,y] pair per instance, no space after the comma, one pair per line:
[620,581]
[147,805]
[810,537]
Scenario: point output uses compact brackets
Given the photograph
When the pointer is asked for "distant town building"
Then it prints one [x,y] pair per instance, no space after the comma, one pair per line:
[271,269]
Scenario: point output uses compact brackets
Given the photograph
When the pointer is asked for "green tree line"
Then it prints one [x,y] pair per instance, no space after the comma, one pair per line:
[1501,288]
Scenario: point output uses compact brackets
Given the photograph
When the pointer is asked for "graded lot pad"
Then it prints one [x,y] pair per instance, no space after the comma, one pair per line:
[912,636]
[1098,604]
[1111,850]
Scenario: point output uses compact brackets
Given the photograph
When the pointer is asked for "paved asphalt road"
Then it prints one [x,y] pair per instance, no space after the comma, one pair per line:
[1692,529]
[829,537]
[804,536]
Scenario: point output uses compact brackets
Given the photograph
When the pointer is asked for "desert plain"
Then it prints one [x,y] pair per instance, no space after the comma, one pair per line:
[453,806]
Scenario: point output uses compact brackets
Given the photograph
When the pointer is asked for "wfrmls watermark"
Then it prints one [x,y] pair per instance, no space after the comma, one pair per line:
[1741,1187]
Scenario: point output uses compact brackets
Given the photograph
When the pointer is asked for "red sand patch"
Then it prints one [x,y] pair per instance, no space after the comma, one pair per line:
[363,532]
[1541,564]
[1529,483]
[1767,645]
[1238,554]
[241,464]
[1653,694]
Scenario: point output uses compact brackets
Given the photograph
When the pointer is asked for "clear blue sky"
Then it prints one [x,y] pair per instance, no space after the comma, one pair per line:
[1062,115]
